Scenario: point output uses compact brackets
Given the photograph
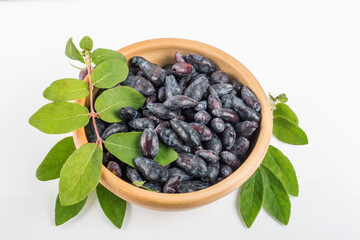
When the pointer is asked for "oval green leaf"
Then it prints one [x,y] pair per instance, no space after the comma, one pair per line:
[80,174]
[276,199]
[109,73]
[288,132]
[72,52]
[86,43]
[60,117]
[66,89]
[284,111]
[51,166]
[282,168]
[110,101]
[65,213]
[99,55]
[166,154]
[126,147]
[113,206]
[251,198]
[282,98]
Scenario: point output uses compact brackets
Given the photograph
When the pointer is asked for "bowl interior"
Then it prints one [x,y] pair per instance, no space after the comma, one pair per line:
[160,51]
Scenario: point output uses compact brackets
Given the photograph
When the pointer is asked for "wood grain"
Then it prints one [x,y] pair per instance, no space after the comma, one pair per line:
[160,51]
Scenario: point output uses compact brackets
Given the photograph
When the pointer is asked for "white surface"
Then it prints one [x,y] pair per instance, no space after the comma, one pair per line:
[308,49]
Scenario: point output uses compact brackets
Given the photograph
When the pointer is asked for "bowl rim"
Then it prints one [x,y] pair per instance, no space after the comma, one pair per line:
[164,201]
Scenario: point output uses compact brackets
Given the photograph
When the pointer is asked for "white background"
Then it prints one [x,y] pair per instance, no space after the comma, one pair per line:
[308,49]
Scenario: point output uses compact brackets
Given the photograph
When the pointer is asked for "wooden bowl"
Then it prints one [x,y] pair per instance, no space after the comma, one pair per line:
[160,51]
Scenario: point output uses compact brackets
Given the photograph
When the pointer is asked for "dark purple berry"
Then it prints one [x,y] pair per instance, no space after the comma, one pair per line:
[214,102]
[186,132]
[237,87]
[114,128]
[245,112]
[149,143]
[140,124]
[137,60]
[240,146]
[201,63]
[228,136]
[225,171]
[151,170]
[228,115]
[192,186]
[153,72]
[180,102]
[133,174]
[203,131]
[128,113]
[172,88]
[219,77]
[178,172]
[90,131]
[227,101]
[170,138]
[213,144]
[250,99]
[83,73]
[161,94]
[218,125]
[161,111]
[213,172]
[141,84]
[148,114]
[222,88]
[179,57]
[157,187]
[201,106]
[114,168]
[191,164]
[230,159]
[161,126]
[208,155]
[172,184]
[182,69]
[202,117]
[151,99]
[197,88]
[246,128]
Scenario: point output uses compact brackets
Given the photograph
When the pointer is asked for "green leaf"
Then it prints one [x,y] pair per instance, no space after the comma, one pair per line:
[60,117]
[109,73]
[99,55]
[65,213]
[72,52]
[251,197]
[80,174]
[51,166]
[113,206]
[86,43]
[282,98]
[276,199]
[141,185]
[66,89]
[126,147]
[282,168]
[284,111]
[288,132]
[110,101]
[166,154]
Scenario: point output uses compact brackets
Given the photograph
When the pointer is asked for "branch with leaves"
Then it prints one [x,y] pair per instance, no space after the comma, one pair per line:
[275,179]
[79,170]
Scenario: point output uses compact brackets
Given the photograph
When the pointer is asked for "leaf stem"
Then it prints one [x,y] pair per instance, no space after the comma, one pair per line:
[92,114]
